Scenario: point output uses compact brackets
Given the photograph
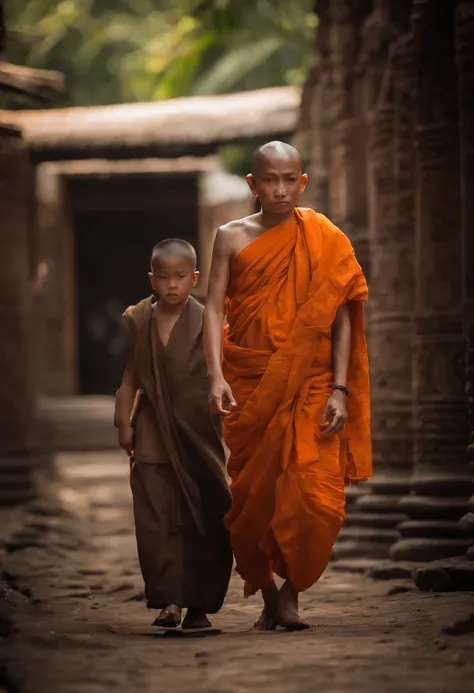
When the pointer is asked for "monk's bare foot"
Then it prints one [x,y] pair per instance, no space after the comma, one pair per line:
[268,618]
[287,614]
[170,617]
[266,621]
[195,619]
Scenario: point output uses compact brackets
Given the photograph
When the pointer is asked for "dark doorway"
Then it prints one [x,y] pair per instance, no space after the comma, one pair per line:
[117,221]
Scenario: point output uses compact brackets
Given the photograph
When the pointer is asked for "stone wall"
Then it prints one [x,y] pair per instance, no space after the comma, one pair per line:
[16,264]
[386,128]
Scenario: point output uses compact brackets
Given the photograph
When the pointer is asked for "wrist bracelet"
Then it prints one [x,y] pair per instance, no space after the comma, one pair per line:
[342,388]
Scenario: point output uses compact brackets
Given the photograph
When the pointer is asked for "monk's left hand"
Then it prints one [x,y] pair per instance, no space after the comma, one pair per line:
[335,413]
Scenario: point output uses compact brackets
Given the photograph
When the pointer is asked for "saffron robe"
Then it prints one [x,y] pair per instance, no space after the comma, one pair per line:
[180,491]
[287,481]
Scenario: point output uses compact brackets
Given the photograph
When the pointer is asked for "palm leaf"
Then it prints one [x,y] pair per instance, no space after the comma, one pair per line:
[234,66]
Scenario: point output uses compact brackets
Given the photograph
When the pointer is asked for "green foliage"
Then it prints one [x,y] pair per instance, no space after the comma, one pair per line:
[133,50]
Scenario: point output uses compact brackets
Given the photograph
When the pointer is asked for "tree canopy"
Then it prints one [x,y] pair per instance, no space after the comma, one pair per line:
[143,50]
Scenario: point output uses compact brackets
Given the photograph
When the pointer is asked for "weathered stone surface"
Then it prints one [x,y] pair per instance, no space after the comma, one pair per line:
[440,421]
[426,549]
[383,107]
[83,632]
[445,577]
[16,393]
[464,37]
[466,524]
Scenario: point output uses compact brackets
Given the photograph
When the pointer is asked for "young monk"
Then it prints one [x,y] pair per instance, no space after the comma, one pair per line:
[180,492]
[293,382]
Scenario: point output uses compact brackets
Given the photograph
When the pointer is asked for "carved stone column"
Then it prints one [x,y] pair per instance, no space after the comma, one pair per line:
[16,396]
[347,188]
[465,67]
[311,138]
[371,521]
[441,483]
[390,345]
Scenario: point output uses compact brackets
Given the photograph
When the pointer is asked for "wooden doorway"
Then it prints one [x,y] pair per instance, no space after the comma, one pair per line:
[116,222]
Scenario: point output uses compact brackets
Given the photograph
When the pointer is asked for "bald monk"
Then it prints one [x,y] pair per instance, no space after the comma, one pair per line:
[179,488]
[291,378]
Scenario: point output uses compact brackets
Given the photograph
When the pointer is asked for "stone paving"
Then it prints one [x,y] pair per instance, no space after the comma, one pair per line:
[73,620]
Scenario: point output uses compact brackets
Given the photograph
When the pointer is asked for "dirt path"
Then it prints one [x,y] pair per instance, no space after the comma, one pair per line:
[80,625]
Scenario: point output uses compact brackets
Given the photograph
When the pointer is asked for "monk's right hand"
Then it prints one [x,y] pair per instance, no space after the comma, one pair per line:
[125,439]
[221,398]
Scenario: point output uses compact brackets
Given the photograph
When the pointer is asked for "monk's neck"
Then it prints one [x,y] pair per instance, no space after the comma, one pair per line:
[269,220]
[170,311]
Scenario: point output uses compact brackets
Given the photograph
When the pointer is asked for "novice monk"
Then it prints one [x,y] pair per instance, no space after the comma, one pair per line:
[180,492]
[293,350]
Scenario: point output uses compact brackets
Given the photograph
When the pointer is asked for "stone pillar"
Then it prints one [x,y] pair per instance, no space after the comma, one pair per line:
[16,395]
[346,187]
[441,483]
[465,67]
[376,513]
[370,526]
[56,304]
[311,137]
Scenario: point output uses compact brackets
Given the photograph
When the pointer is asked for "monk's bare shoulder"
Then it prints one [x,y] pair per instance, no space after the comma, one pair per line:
[235,235]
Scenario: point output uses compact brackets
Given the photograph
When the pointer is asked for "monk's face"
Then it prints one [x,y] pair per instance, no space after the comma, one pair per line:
[173,277]
[278,183]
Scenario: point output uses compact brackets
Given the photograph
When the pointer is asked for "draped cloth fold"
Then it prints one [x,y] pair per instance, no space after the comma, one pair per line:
[287,481]
[180,490]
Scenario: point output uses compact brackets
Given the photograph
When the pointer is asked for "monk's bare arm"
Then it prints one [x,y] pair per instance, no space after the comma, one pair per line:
[213,322]
[124,399]
[341,345]
[125,396]
[335,413]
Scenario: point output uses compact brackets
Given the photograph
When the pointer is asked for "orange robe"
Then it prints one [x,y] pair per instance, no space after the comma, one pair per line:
[287,481]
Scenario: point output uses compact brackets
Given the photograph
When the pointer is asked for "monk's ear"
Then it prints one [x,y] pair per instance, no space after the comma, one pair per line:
[304,182]
[251,183]
[150,277]
[195,278]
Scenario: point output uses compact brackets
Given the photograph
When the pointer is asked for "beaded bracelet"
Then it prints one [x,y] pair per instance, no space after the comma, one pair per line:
[342,388]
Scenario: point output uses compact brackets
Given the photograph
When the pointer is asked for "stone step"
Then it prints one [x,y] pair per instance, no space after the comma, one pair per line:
[359,566]
[443,484]
[445,576]
[355,491]
[467,524]
[348,549]
[422,550]
[379,504]
[377,569]
[369,533]
[387,485]
[379,521]
[426,507]
[436,529]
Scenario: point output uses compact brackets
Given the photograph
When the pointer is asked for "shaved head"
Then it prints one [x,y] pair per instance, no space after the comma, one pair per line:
[275,150]
[277,179]
[174,247]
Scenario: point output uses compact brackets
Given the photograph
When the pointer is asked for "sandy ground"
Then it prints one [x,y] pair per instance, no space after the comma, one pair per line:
[73,618]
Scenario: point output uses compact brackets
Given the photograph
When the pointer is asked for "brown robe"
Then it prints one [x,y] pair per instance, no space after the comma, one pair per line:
[180,492]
